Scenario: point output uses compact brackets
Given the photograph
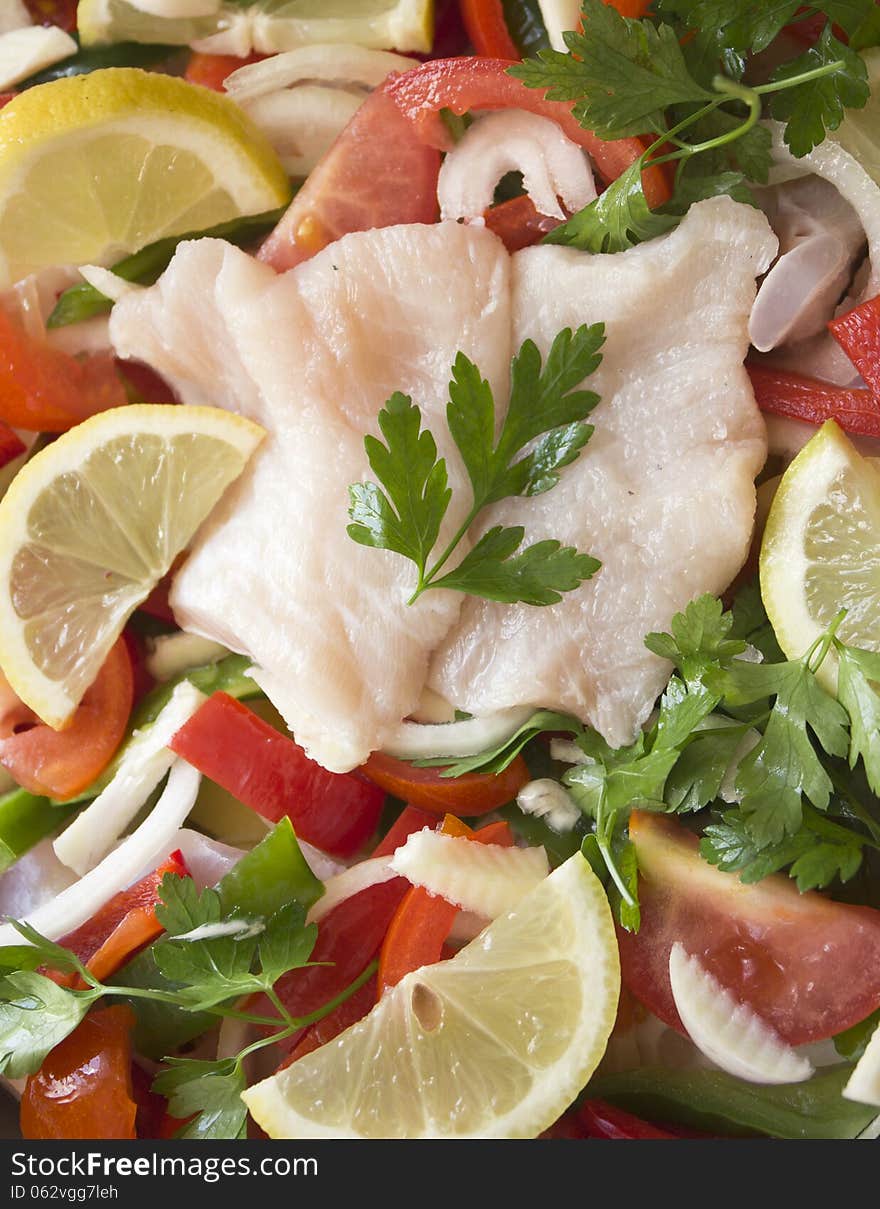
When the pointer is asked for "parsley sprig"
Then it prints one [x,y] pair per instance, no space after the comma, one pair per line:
[542,432]
[212,959]
[678,75]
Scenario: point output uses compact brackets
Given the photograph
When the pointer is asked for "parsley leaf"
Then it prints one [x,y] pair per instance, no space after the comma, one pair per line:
[208,1091]
[700,641]
[856,693]
[740,24]
[622,74]
[618,219]
[812,107]
[35,1015]
[545,417]
[495,760]
[697,777]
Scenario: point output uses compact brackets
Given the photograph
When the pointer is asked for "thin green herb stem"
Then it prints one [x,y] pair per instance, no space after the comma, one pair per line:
[425,579]
[817,73]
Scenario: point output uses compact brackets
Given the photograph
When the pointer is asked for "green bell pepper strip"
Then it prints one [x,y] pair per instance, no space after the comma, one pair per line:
[83,301]
[228,675]
[718,1103]
[24,820]
[266,878]
[95,58]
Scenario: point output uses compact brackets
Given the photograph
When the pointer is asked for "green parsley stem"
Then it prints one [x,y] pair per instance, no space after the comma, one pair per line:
[817,73]
[605,849]
[332,1004]
[856,807]
[425,580]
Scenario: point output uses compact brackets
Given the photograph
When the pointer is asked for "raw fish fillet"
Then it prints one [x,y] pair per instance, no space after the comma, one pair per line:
[312,355]
[664,492]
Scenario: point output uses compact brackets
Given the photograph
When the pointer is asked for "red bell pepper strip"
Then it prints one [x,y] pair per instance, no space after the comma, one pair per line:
[487,29]
[518,224]
[423,920]
[474,794]
[62,763]
[11,445]
[409,820]
[349,1012]
[211,70]
[272,774]
[124,925]
[84,1088]
[797,397]
[45,390]
[630,8]
[858,334]
[600,1120]
[469,83]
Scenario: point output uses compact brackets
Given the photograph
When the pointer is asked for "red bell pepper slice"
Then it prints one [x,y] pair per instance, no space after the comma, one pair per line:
[469,83]
[11,445]
[409,820]
[211,70]
[348,1013]
[423,920]
[518,224]
[84,1088]
[487,29]
[124,925]
[600,1120]
[272,774]
[797,397]
[858,334]
[473,794]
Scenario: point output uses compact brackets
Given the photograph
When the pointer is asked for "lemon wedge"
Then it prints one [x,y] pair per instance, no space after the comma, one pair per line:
[821,549]
[94,167]
[495,1043]
[266,26]
[88,527]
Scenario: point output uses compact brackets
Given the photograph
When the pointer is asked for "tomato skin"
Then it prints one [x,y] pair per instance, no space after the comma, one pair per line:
[376,174]
[84,1088]
[487,29]
[469,83]
[474,794]
[62,763]
[44,390]
[11,445]
[273,775]
[807,965]
[782,393]
[211,70]
[518,224]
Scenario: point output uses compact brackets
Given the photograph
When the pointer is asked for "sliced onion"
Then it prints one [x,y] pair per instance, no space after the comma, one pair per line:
[141,851]
[864,1082]
[514,141]
[25,51]
[352,881]
[323,866]
[144,763]
[335,63]
[178,10]
[170,654]
[108,283]
[558,16]
[33,880]
[415,741]
[207,860]
[302,123]
[731,1034]
[547,799]
[13,15]
[484,878]
[432,709]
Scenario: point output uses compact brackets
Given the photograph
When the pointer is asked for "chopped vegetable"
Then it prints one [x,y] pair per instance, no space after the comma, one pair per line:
[468,796]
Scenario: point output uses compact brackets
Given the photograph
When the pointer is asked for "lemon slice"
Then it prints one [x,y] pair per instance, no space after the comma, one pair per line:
[494,1043]
[266,26]
[859,132]
[96,166]
[89,526]
[821,549]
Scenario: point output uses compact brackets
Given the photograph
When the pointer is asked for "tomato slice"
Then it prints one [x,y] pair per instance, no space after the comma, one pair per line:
[272,774]
[487,28]
[11,445]
[84,1089]
[44,390]
[807,965]
[797,397]
[468,83]
[211,70]
[376,174]
[62,763]
[473,794]
[124,924]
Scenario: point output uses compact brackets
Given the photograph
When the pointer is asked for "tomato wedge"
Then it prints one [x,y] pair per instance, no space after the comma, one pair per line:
[62,763]
[84,1089]
[807,965]
[211,70]
[11,445]
[124,924]
[423,921]
[797,397]
[464,84]
[376,174]
[272,774]
[474,794]
[44,390]
[487,29]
